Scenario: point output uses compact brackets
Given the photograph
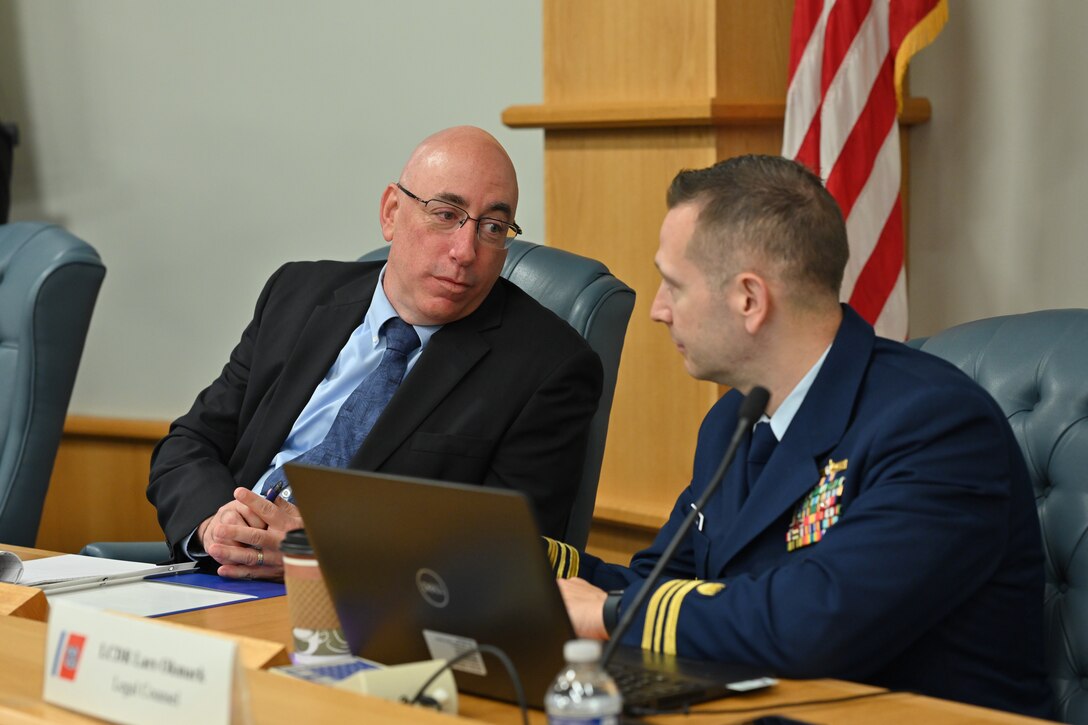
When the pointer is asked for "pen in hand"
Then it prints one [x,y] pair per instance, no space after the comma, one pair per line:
[275,491]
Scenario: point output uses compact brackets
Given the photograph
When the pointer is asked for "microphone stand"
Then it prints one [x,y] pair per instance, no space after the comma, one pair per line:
[751,408]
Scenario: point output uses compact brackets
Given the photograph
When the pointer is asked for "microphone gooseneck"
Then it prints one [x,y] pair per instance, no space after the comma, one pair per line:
[751,408]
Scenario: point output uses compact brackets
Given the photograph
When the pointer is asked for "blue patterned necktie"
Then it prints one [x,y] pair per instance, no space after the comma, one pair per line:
[759,451]
[361,409]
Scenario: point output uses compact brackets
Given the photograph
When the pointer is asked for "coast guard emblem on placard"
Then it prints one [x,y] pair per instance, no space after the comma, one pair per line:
[819,509]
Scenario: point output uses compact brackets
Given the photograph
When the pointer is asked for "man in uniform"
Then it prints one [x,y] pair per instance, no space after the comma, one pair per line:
[877,524]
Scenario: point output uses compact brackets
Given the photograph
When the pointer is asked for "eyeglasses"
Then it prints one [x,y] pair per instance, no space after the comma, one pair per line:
[446,217]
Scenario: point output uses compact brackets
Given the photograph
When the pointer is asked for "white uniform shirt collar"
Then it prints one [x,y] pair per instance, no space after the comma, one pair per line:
[783,416]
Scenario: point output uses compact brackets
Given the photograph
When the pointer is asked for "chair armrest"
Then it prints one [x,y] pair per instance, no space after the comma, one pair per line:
[152,552]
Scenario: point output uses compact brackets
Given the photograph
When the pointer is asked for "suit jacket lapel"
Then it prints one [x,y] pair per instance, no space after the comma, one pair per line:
[451,353]
[323,336]
[817,428]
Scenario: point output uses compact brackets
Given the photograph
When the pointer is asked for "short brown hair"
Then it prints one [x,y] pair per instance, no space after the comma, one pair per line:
[767,208]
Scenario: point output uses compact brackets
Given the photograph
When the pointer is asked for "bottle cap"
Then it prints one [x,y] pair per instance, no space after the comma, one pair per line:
[580,651]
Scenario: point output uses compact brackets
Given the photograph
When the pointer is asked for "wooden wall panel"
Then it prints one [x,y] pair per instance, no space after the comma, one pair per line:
[615,541]
[634,91]
[613,50]
[97,491]
[752,49]
[610,186]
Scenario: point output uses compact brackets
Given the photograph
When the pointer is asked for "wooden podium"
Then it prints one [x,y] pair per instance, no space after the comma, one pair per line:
[634,91]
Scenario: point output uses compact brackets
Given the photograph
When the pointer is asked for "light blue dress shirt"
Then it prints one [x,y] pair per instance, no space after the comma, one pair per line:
[784,414]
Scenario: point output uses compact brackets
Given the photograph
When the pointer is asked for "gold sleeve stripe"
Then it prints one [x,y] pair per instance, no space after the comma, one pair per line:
[563,558]
[651,628]
[651,610]
[572,560]
[553,545]
[672,617]
[661,615]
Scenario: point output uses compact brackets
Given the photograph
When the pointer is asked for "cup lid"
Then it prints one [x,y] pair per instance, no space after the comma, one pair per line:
[296,542]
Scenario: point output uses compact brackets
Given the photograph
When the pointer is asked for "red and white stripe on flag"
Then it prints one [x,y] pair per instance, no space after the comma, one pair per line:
[847,61]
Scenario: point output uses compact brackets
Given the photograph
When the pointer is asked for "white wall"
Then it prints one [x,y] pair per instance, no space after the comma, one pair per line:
[999,209]
[198,145]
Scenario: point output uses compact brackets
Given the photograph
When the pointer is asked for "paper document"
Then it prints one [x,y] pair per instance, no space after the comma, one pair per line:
[133,587]
[101,580]
[71,571]
[148,598]
[38,572]
[11,567]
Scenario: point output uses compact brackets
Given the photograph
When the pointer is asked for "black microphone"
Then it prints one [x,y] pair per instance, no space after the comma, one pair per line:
[751,408]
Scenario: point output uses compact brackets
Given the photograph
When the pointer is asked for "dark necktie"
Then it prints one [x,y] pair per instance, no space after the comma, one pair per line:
[361,409]
[759,452]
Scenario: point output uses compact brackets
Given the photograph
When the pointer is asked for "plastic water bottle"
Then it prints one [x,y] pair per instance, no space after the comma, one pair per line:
[583,693]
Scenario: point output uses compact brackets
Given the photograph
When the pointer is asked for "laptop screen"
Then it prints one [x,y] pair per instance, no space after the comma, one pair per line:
[420,569]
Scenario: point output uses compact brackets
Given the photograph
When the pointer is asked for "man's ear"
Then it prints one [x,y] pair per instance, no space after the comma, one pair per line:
[754,298]
[387,211]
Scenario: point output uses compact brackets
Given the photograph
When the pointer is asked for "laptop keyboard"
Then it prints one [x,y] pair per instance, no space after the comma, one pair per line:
[328,673]
[648,688]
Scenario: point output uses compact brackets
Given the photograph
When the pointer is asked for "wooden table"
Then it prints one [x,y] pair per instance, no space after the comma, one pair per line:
[268,619]
[276,699]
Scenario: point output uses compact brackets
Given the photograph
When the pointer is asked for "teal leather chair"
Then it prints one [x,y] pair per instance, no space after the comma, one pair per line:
[1035,365]
[579,290]
[49,281]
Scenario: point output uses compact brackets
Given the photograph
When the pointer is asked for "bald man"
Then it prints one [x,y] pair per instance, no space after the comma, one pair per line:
[498,392]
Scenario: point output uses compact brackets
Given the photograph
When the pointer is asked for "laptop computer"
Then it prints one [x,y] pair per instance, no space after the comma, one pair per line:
[420,569]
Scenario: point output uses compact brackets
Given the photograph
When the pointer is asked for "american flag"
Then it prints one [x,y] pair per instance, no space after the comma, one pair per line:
[847,62]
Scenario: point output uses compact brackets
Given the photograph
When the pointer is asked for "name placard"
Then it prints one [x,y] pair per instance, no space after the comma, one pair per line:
[135,670]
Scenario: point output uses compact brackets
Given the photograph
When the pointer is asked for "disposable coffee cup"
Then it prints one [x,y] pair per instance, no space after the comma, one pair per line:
[315,628]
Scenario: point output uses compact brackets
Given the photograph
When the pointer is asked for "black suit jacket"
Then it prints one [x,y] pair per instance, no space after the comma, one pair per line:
[502,397]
